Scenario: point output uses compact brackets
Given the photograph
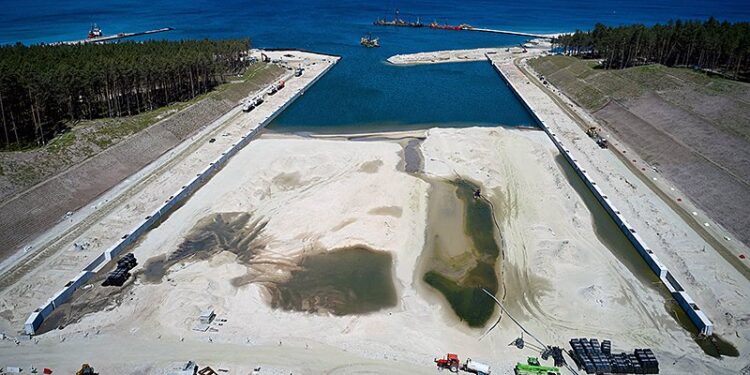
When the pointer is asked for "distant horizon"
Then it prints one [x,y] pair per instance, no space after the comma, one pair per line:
[47,21]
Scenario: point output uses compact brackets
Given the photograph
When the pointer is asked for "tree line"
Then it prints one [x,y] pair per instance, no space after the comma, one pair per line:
[44,88]
[710,45]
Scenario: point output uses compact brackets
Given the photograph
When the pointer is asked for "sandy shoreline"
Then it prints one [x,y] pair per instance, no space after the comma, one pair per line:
[316,195]
[533,47]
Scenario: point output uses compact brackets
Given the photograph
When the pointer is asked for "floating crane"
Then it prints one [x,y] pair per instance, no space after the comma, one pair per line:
[369,42]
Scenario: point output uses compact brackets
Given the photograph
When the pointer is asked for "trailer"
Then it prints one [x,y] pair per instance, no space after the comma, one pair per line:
[475,367]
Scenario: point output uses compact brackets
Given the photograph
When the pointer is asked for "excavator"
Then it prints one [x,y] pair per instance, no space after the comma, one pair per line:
[593,132]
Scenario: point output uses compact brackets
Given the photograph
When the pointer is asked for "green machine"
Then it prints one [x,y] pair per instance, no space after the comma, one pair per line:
[532,367]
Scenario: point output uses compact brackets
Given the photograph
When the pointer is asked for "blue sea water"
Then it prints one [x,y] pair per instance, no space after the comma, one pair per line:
[362,92]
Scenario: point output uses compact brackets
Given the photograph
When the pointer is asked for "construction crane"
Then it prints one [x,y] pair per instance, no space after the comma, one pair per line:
[542,345]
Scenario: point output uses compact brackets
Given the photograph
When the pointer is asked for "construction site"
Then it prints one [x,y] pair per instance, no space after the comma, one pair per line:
[483,250]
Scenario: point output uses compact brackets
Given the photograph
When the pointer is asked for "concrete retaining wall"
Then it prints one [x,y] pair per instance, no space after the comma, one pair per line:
[37,317]
[683,299]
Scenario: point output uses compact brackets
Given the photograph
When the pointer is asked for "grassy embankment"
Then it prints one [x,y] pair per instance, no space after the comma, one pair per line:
[84,139]
[688,126]
[107,131]
[593,87]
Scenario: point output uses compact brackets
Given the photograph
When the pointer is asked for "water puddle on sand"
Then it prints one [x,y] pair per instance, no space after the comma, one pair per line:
[461,251]
[234,232]
[612,237]
[413,160]
[353,280]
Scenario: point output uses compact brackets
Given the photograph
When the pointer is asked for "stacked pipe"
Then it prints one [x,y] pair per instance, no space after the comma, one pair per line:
[595,358]
[121,273]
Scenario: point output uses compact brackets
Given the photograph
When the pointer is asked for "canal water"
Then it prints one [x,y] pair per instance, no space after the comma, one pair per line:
[362,92]
[612,237]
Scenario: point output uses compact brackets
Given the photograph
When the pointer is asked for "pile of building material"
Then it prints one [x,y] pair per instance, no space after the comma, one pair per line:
[205,319]
[592,357]
[122,272]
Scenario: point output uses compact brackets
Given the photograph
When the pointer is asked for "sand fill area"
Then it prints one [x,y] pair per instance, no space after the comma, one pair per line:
[378,247]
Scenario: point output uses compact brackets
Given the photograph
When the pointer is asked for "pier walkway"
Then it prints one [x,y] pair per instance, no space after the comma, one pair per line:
[517,33]
[467,55]
[108,38]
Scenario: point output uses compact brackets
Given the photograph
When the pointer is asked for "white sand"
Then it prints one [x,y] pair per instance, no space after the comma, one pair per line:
[319,194]
[44,271]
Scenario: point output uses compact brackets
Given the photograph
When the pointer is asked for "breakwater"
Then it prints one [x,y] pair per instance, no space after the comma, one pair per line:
[696,315]
[172,202]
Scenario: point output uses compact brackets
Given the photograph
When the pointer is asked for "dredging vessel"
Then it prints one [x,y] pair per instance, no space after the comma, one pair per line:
[369,42]
[463,26]
[397,21]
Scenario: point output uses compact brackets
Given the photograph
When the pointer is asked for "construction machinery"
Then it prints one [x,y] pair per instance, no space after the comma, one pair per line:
[369,42]
[86,370]
[593,132]
[397,21]
[450,362]
[122,272]
[475,367]
[250,104]
[594,358]
[533,367]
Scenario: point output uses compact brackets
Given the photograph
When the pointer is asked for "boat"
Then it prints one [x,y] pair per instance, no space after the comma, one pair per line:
[397,21]
[369,42]
[95,32]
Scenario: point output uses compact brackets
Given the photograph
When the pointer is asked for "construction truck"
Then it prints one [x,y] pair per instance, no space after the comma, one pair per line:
[450,362]
[86,370]
[250,104]
[593,132]
[532,367]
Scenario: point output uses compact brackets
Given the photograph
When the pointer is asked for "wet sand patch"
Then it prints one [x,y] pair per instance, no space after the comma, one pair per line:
[233,232]
[354,280]
[288,181]
[371,166]
[394,211]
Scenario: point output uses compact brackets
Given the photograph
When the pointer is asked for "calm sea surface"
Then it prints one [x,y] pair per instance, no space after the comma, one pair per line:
[362,92]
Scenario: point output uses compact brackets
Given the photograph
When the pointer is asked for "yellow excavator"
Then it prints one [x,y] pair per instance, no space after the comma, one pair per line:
[86,370]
